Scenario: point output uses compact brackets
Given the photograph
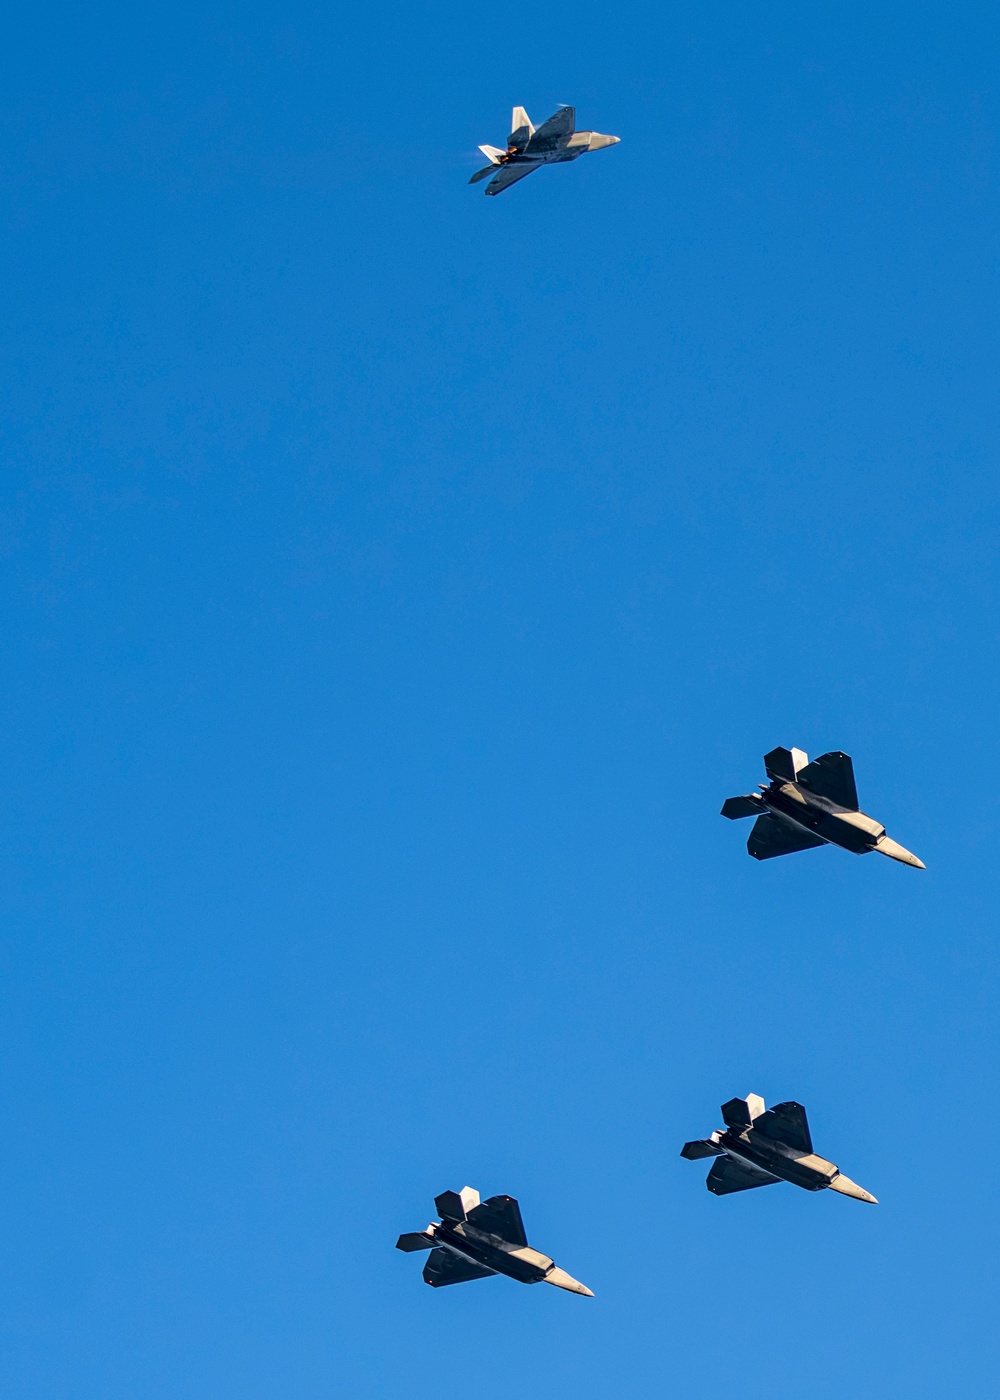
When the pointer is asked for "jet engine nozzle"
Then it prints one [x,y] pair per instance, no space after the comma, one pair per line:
[895,851]
[847,1187]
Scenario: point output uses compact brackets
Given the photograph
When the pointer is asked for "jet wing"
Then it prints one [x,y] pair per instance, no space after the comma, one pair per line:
[500,1215]
[444,1267]
[787,1123]
[728,1176]
[509,175]
[831,775]
[552,132]
[773,837]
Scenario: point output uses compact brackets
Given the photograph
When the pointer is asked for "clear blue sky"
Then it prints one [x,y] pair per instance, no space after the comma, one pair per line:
[396,581]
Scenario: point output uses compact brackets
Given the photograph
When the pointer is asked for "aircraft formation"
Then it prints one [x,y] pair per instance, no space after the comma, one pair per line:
[804,805]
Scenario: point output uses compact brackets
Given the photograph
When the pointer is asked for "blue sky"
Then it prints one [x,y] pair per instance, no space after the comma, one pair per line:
[395,583]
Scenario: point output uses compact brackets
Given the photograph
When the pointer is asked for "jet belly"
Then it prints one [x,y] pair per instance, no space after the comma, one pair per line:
[520,1262]
[468,1247]
[853,831]
[799,1168]
[793,809]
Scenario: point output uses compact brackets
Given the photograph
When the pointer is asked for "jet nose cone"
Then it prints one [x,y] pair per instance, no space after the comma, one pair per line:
[895,851]
[559,1278]
[846,1187]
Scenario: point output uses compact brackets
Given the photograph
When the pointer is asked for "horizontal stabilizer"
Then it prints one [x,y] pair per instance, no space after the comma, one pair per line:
[444,1267]
[455,1205]
[500,1215]
[772,837]
[784,764]
[729,1175]
[418,1239]
[787,1123]
[736,807]
[482,174]
[693,1151]
[832,775]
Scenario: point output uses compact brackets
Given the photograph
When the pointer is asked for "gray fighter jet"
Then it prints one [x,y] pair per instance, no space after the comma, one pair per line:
[759,1146]
[811,804]
[475,1240]
[530,147]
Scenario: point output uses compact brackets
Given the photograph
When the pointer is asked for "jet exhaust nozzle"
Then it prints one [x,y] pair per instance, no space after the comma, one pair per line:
[559,1278]
[846,1187]
[887,847]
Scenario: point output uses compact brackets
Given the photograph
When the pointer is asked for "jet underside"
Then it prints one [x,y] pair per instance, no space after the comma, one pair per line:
[475,1239]
[761,1146]
[811,804]
[529,148]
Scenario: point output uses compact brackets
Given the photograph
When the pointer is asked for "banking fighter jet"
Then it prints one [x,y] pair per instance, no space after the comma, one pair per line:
[811,804]
[529,147]
[475,1239]
[759,1146]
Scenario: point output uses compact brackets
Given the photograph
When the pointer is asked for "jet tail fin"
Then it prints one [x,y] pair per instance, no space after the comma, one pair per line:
[521,130]
[455,1205]
[739,1114]
[785,764]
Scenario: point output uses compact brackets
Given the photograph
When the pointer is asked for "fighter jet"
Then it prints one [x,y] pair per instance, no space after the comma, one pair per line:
[475,1240]
[529,147]
[811,804]
[759,1146]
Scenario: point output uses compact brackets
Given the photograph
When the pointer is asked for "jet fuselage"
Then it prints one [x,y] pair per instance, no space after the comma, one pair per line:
[519,1262]
[804,1169]
[854,831]
[577,145]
